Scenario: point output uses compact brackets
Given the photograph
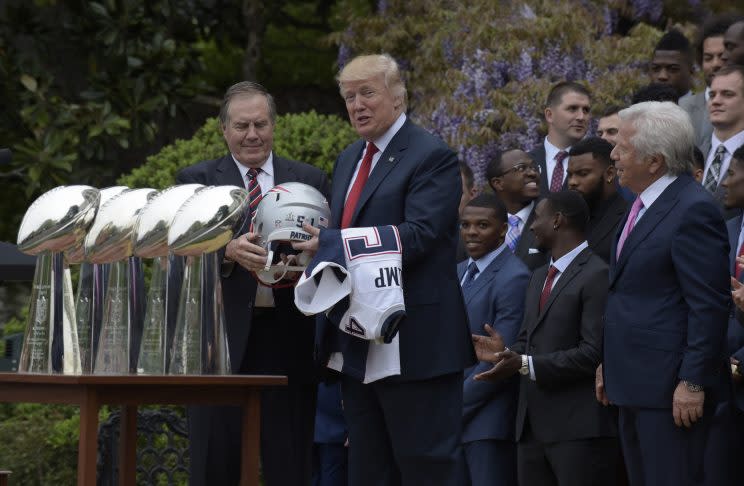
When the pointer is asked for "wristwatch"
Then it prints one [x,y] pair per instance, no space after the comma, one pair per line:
[692,387]
[525,369]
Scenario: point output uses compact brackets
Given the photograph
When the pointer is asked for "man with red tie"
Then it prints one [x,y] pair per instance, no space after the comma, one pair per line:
[568,115]
[555,353]
[404,429]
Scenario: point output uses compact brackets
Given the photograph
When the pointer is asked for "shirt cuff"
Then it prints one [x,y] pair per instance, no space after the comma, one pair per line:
[532,369]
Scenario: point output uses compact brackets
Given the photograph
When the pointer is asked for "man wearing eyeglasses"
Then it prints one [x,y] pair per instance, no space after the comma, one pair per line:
[515,178]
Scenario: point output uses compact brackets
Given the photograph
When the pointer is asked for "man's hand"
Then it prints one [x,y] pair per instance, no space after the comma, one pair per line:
[486,347]
[599,389]
[311,246]
[687,406]
[245,253]
[737,292]
[507,363]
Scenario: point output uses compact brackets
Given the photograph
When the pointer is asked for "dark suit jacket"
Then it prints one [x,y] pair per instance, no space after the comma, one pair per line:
[735,333]
[538,155]
[239,287]
[669,301]
[416,186]
[527,242]
[496,297]
[603,225]
[564,340]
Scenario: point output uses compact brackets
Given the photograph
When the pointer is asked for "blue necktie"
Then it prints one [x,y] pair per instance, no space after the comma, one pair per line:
[467,284]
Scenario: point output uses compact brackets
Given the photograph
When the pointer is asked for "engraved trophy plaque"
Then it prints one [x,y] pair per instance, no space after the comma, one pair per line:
[110,241]
[151,241]
[55,222]
[202,226]
[91,289]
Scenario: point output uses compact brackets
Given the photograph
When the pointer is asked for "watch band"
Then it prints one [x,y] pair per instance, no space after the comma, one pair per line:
[525,369]
[692,387]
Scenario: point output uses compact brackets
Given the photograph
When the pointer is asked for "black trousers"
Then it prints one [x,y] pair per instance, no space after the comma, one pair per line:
[287,421]
[404,433]
[583,462]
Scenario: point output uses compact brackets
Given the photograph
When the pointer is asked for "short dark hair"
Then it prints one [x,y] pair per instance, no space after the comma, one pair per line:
[610,110]
[698,159]
[675,40]
[492,202]
[248,88]
[738,154]
[655,92]
[730,69]
[494,166]
[573,207]
[598,147]
[715,26]
[556,92]
[467,175]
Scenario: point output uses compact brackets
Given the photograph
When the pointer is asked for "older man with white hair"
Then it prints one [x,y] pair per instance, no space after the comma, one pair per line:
[665,322]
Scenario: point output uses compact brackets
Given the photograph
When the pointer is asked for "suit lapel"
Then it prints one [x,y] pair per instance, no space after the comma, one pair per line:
[342,179]
[227,173]
[735,228]
[487,275]
[648,222]
[573,269]
[608,223]
[282,171]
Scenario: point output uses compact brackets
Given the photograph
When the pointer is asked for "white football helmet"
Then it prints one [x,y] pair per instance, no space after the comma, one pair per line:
[279,217]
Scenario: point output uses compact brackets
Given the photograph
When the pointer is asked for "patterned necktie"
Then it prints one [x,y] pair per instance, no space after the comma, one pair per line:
[470,275]
[556,182]
[632,217]
[512,236]
[714,171]
[356,188]
[254,190]
[548,287]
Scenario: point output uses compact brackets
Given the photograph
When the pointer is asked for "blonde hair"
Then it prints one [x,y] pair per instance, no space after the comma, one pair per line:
[369,66]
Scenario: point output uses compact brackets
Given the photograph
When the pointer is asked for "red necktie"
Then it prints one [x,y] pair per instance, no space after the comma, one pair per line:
[556,182]
[254,190]
[552,272]
[737,268]
[356,188]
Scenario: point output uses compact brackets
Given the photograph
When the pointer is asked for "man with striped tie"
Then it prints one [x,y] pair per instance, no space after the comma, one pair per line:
[515,178]
[258,318]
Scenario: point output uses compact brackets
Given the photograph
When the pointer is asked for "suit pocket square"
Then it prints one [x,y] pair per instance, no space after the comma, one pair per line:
[533,251]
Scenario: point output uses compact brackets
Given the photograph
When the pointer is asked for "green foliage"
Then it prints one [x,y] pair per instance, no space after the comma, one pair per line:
[308,137]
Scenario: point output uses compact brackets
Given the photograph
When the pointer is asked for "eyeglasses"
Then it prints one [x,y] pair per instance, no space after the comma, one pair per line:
[522,168]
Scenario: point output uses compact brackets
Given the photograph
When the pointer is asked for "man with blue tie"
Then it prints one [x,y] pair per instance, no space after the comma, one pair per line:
[668,303]
[494,282]
[405,424]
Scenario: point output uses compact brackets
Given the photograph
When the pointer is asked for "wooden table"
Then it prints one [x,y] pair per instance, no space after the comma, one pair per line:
[89,392]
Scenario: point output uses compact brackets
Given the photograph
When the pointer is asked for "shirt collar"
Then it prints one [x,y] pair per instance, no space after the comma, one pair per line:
[652,192]
[267,167]
[731,144]
[707,93]
[382,142]
[483,262]
[551,151]
[563,262]
[524,213]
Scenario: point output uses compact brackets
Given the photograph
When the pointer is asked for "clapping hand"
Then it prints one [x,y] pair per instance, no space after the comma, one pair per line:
[486,347]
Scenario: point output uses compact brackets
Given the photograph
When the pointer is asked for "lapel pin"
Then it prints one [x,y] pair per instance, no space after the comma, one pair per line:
[391,159]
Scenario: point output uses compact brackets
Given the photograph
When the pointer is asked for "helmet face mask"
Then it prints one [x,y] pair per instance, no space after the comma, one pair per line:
[279,218]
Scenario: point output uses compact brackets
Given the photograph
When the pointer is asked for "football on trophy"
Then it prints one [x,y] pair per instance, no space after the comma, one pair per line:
[151,232]
[110,236]
[57,219]
[207,220]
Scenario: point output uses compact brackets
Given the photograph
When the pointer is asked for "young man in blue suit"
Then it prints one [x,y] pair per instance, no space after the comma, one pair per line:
[665,366]
[494,282]
[404,429]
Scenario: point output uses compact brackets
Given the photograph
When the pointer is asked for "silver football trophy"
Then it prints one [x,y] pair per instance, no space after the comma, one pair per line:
[90,291]
[110,241]
[202,226]
[151,241]
[55,222]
